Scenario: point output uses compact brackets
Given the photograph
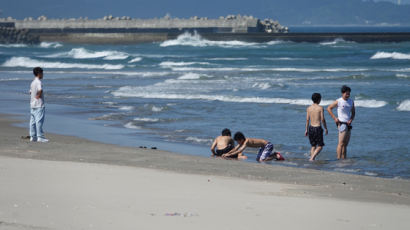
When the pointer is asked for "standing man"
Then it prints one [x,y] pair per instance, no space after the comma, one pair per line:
[37,109]
[345,115]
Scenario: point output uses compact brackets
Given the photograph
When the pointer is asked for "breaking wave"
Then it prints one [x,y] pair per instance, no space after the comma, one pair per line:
[404,105]
[13,45]
[137,59]
[168,64]
[228,59]
[334,42]
[195,40]
[128,91]
[50,45]
[281,69]
[30,63]
[391,55]
[81,53]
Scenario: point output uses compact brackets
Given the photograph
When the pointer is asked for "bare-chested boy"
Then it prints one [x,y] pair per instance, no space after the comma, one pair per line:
[265,151]
[314,120]
[223,143]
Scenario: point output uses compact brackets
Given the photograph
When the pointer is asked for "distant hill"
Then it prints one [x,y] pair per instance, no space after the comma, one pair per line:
[288,12]
[347,12]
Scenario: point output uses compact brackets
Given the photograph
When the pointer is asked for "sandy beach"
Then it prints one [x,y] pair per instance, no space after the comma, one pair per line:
[73,183]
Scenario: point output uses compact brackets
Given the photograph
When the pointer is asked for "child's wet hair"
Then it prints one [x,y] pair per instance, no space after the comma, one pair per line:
[239,136]
[226,132]
[316,97]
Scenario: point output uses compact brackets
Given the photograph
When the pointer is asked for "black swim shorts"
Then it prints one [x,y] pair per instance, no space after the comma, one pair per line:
[316,136]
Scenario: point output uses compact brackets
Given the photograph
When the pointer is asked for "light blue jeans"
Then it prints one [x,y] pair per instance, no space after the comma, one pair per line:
[36,122]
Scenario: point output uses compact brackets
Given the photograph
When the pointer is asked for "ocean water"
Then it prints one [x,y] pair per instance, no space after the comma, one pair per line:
[179,95]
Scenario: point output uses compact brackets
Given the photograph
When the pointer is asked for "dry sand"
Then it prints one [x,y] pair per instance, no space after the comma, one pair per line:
[72,183]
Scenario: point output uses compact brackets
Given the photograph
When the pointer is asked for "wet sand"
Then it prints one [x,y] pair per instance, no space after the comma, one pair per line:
[73,183]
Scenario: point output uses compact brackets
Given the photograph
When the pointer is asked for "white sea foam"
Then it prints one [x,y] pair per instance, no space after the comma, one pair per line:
[228,59]
[391,55]
[30,63]
[126,108]
[13,45]
[137,92]
[334,42]
[284,69]
[137,59]
[167,64]
[130,125]
[402,75]
[198,140]
[370,173]
[157,108]
[347,170]
[50,44]
[146,119]
[190,76]
[82,53]
[369,103]
[404,105]
[263,86]
[195,40]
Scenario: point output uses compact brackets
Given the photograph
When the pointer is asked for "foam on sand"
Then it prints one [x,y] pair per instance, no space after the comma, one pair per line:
[31,63]
[404,105]
[391,55]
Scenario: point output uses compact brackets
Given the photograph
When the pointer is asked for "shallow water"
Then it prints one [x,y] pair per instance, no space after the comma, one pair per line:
[185,91]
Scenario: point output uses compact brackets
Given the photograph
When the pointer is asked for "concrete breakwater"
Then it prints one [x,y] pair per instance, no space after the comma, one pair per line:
[126,30]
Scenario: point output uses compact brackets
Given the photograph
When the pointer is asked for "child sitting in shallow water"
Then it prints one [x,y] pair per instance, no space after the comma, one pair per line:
[223,143]
[265,148]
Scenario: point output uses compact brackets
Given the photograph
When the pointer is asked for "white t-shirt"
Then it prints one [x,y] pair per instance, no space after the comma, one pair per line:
[344,109]
[36,86]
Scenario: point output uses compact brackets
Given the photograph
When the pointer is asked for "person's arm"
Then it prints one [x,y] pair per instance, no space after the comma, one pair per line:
[38,95]
[322,114]
[213,147]
[237,150]
[329,110]
[307,121]
[353,115]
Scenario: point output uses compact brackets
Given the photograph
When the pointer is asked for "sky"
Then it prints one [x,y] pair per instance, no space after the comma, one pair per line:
[276,9]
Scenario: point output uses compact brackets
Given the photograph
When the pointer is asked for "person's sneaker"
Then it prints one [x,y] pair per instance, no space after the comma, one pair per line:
[33,139]
[279,157]
[44,140]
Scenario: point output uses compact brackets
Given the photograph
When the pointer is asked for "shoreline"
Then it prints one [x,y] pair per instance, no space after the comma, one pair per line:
[315,183]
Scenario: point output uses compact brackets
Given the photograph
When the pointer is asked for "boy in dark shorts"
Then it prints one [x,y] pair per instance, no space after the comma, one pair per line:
[314,120]
[223,143]
[265,148]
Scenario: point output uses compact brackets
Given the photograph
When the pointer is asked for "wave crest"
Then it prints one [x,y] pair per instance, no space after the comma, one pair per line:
[31,63]
[391,55]
[195,40]
[404,105]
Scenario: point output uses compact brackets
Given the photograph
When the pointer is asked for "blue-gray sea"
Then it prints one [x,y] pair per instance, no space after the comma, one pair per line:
[179,94]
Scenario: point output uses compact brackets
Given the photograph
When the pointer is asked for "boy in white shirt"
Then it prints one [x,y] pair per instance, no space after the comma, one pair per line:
[37,108]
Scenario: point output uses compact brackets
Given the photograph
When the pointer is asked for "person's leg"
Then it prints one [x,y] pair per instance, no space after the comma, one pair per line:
[312,152]
[345,144]
[340,145]
[39,122]
[33,130]
[315,153]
